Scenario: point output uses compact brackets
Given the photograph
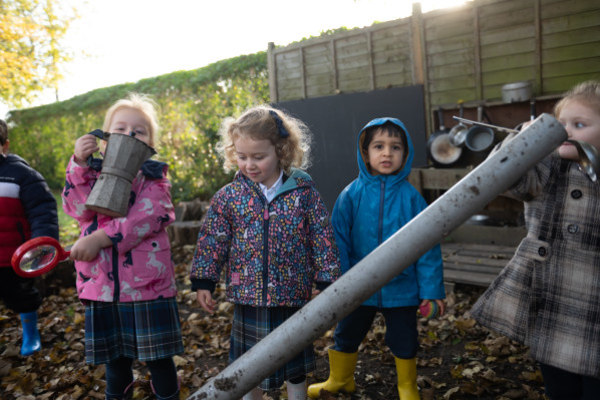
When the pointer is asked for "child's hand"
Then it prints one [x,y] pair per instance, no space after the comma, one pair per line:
[440,303]
[315,292]
[85,146]
[88,247]
[205,300]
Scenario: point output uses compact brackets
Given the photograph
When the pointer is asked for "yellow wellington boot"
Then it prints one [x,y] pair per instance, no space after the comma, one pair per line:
[407,378]
[341,374]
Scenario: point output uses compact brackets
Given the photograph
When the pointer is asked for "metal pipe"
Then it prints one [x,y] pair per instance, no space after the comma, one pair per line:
[479,123]
[472,193]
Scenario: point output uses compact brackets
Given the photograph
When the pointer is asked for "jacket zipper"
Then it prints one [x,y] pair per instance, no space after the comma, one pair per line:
[265,271]
[115,263]
[265,263]
[380,231]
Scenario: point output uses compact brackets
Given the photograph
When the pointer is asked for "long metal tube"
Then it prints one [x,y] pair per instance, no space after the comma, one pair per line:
[471,194]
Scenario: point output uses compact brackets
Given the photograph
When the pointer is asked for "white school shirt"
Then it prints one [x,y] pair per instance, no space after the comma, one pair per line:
[270,192]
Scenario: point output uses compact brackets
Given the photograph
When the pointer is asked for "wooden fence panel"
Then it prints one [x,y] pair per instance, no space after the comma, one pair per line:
[570,47]
[450,66]
[466,53]
[507,29]
[567,38]
[318,70]
[390,56]
[560,8]
[502,14]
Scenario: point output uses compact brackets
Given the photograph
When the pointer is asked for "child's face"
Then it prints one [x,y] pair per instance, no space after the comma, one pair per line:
[385,153]
[257,160]
[582,123]
[126,120]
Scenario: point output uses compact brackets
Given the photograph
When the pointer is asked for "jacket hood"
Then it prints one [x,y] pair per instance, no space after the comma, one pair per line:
[406,168]
[12,158]
[296,178]
[150,168]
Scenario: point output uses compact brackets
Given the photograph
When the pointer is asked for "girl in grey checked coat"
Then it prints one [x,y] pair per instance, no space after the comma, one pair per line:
[548,296]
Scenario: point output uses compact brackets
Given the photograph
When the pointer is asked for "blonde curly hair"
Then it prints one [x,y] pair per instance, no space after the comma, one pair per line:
[142,103]
[261,123]
[587,92]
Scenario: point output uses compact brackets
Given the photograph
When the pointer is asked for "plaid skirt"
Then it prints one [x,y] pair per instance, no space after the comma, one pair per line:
[140,330]
[251,324]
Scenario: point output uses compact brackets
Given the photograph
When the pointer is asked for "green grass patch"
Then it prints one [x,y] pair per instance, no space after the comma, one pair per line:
[68,227]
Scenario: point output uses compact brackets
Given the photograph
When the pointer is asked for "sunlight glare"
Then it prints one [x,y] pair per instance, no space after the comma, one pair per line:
[430,5]
[194,34]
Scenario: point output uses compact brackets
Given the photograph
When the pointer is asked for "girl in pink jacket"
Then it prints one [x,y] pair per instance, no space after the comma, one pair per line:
[125,277]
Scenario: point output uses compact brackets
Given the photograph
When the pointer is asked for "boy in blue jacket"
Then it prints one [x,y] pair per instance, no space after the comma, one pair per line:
[27,210]
[367,212]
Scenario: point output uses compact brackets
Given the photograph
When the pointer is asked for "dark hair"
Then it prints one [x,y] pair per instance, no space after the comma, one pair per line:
[3,132]
[389,127]
[392,130]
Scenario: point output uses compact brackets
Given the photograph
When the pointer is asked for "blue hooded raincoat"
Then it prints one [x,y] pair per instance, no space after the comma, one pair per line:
[372,208]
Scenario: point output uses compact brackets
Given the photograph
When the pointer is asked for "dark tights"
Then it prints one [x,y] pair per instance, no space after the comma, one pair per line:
[119,375]
[564,385]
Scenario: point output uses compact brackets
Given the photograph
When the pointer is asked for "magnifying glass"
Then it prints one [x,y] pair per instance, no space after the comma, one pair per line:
[38,256]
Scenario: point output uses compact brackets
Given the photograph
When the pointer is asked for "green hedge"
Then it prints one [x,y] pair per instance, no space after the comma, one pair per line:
[192,105]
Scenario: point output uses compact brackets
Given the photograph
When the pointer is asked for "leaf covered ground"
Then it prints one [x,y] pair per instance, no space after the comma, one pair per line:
[458,359]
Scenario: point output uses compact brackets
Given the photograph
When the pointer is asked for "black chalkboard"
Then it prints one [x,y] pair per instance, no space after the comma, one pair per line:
[335,122]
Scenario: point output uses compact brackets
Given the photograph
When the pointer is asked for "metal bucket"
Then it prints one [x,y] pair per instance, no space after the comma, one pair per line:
[123,159]
[516,91]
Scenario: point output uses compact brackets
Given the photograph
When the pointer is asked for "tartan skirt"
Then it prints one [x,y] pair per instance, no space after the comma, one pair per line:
[140,330]
[251,324]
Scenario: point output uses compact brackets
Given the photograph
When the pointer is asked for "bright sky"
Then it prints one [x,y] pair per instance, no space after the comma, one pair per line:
[119,41]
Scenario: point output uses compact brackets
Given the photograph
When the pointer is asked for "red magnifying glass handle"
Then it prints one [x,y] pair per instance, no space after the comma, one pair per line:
[44,253]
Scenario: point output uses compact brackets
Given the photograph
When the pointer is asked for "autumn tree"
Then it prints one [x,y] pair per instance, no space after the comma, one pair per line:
[31,47]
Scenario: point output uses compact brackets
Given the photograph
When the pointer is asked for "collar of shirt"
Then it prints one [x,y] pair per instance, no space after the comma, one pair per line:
[270,192]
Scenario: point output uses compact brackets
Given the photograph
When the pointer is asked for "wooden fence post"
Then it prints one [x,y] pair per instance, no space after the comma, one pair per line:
[370,54]
[272,70]
[334,67]
[537,20]
[302,71]
[419,61]
[477,55]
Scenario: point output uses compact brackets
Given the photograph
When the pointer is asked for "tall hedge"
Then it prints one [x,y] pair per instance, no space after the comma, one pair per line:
[192,105]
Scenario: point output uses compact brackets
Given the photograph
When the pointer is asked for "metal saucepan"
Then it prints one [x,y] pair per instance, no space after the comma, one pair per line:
[441,151]
[479,138]
[589,160]
[458,133]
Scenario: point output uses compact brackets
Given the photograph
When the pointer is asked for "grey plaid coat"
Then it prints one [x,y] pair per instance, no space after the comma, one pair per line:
[548,295]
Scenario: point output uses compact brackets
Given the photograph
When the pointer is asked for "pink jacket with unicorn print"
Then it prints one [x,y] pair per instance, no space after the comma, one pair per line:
[138,266]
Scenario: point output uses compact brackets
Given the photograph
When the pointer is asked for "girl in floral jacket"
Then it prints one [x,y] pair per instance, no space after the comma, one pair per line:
[270,231]
[125,276]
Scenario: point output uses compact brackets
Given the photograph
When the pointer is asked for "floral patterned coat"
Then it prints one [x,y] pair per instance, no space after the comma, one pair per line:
[272,253]
[548,296]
